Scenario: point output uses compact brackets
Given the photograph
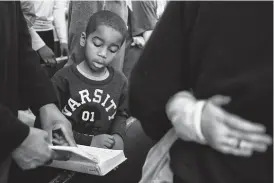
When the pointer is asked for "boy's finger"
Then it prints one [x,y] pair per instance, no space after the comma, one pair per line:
[110,141]
[107,144]
[110,137]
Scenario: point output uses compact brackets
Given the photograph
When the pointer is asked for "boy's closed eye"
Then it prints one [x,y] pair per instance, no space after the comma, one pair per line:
[97,42]
[114,48]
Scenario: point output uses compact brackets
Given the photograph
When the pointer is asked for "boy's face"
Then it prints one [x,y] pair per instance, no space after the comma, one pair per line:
[101,46]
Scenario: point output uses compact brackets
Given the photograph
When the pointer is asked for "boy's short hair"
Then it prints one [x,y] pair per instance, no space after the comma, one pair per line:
[106,18]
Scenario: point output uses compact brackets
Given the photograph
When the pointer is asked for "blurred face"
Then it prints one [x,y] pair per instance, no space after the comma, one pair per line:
[101,46]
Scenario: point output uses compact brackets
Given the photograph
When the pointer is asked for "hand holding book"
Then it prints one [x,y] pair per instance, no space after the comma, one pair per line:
[103,141]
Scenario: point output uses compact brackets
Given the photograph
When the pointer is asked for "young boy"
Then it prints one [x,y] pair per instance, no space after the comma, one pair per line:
[92,95]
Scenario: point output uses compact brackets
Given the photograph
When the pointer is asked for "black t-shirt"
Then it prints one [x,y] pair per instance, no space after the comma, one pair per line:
[93,107]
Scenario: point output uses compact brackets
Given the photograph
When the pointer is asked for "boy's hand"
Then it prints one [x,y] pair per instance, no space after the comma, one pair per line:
[229,133]
[103,141]
[119,143]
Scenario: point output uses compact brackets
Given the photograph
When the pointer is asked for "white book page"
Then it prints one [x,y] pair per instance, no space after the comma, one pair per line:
[77,151]
[102,154]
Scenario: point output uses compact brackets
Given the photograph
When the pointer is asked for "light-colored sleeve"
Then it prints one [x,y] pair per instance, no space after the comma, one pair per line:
[185,113]
[30,17]
[36,41]
[59,14]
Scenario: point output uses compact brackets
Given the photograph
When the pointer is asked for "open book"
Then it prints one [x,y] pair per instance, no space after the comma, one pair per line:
[90,160]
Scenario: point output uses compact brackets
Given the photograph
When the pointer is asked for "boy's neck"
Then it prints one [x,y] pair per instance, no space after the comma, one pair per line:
[101,75]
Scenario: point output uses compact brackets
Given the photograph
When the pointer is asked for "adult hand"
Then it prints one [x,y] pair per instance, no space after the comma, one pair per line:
[103,141]
[138,41]
[229,133]
[59,139]
[64,49]
[52,119]
[119,143]
[47,56]
[34,150]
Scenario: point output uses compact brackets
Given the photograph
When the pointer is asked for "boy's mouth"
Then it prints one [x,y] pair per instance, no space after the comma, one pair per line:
[98,64]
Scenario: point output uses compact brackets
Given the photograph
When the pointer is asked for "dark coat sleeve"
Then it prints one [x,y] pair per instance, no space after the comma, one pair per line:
[161,71]
[35,88]
[12,132]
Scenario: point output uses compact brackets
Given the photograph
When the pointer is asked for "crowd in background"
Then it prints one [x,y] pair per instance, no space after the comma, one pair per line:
[196,77]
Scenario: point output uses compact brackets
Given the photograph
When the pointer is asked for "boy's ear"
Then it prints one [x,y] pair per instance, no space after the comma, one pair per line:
[83,39]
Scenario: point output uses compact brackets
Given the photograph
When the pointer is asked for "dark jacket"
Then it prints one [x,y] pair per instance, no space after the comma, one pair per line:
[22,81]
[210,48]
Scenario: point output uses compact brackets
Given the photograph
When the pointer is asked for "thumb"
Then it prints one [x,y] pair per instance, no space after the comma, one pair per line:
[68,136]
[220,100]
[49,136]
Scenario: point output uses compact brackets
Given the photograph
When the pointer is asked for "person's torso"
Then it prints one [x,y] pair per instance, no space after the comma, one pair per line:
[230,53]
[42,11]
[92,105]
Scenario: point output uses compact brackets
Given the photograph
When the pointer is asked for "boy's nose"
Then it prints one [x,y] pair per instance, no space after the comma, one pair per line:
[103,53]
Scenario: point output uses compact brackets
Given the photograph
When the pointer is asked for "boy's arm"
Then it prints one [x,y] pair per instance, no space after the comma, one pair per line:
[118,128]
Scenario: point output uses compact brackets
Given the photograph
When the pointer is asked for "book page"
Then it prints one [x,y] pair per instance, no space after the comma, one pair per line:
[75,150]
[102,154]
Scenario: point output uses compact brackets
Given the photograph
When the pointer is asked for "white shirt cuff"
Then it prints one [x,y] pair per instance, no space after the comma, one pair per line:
[36,40]
[197,120]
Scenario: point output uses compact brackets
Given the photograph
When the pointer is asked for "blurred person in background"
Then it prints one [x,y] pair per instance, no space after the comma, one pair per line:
[44,17]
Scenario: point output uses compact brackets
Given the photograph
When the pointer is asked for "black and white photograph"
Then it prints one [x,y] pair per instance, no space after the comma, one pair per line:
[136,91]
